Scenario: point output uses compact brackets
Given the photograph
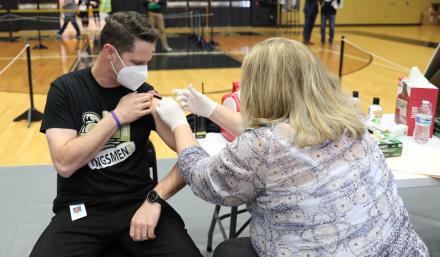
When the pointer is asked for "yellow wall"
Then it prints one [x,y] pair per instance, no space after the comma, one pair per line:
[379,12]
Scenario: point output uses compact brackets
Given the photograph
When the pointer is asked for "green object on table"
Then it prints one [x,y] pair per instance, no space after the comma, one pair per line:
[391,147]
[153,6]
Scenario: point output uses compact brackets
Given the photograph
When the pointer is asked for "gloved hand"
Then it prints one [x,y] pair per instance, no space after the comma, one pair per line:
[193,101]
[170,112]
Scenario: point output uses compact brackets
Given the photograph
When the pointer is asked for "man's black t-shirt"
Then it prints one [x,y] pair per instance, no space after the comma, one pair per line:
[76,101]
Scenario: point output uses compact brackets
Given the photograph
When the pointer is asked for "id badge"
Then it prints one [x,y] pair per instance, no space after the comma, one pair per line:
[77,211]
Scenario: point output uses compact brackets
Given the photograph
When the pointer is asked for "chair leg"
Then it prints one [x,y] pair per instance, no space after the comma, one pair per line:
[220,226]
[212,226]
[243,227]
[233,222]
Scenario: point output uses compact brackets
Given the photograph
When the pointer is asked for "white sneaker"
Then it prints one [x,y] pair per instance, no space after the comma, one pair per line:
[168,49]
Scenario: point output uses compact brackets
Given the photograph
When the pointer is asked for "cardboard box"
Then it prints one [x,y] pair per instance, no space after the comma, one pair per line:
[391,147]
[409,98]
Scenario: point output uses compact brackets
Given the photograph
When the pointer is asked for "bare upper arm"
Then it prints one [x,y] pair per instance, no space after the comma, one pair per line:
[57,138]
[162,129]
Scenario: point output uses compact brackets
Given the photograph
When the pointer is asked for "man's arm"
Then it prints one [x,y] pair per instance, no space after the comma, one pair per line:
[173,182]
[69,152]
[170,184]
[162,129]
[145,219]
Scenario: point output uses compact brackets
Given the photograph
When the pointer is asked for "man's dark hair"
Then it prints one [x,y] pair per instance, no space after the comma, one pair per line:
[123,28]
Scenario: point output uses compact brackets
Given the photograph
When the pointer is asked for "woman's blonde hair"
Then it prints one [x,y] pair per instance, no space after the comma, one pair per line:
[283,80]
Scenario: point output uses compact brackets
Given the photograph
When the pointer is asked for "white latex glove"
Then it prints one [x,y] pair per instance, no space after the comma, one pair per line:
[193,101]
[170,112]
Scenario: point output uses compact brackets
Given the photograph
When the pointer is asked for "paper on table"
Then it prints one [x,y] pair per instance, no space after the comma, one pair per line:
[417,158]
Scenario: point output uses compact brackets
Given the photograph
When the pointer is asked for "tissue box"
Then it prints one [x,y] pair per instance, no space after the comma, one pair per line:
[391,147]
[409,98]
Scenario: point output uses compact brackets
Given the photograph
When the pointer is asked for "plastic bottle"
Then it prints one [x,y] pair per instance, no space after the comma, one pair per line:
[402,105]
[375,111]
[423,122]
[355,99]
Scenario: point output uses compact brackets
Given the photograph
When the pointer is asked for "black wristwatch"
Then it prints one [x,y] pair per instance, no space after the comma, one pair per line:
[153,197]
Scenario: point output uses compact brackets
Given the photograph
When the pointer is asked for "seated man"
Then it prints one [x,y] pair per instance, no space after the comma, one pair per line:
[97,122]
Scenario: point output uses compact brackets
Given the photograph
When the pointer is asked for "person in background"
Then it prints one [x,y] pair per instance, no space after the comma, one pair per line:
[69,9]
[310,13]
[155,18]
[83,7]
[328,13]
[96,14]
[97,122]
[313,180]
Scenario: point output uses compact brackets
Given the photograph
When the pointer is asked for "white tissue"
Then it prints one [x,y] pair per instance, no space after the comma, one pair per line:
[416,78]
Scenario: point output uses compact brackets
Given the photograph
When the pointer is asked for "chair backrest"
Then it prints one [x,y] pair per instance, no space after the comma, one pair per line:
[152,162]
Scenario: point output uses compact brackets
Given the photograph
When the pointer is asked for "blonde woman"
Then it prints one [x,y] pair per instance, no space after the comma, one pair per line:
[313,181]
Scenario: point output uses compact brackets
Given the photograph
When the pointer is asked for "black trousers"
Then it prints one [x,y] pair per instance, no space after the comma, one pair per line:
[309,23]
[66,22]
[237,247]
[104,232]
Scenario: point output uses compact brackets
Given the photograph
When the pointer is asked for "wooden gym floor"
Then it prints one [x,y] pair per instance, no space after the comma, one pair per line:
[405,46]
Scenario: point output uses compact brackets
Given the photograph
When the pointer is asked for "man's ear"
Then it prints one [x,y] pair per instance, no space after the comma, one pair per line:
[108,51]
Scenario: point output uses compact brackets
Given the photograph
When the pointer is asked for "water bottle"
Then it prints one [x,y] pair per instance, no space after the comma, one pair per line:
[355,99]
[423,122]
[375,112]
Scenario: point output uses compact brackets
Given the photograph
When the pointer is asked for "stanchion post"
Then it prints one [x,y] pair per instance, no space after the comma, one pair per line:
[341,57]
[279,14]
[11,37]
[212,42]
[191,20]
[230,13]
[31,114]
[39,45]
[192,25]
[29,67]
[202,24]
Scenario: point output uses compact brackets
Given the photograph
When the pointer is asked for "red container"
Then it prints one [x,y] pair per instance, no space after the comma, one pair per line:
[231,101]
[409,98]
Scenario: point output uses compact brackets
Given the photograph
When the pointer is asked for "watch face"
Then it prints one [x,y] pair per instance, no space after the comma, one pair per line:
[152,196]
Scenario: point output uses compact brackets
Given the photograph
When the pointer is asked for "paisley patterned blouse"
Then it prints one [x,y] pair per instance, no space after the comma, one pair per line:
[334,199]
